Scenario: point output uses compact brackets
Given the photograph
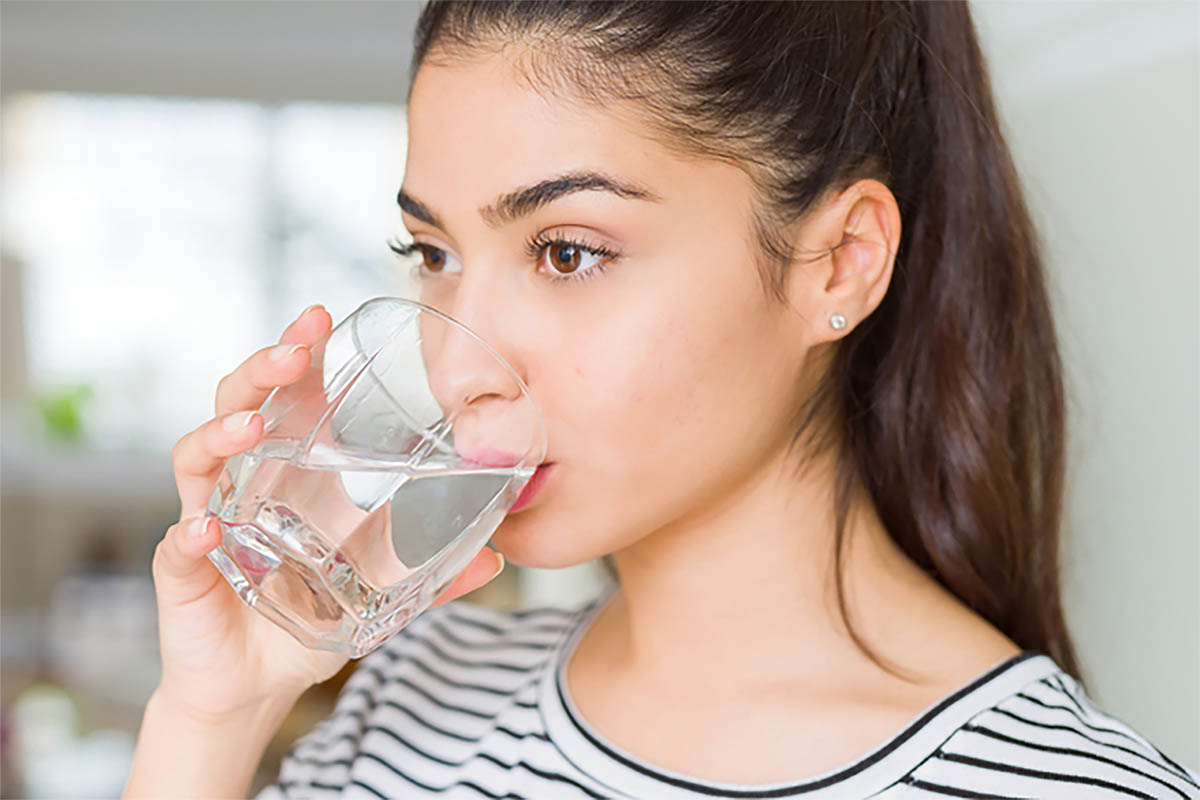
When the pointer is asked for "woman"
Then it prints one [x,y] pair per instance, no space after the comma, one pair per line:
[768,272]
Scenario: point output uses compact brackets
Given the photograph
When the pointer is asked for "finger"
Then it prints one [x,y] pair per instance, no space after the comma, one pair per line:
[486,565]
[255,378]
[180,568]
[312,323]
[250,383]
[199,456]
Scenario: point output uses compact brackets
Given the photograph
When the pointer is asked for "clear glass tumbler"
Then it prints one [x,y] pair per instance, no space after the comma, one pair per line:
[381,473]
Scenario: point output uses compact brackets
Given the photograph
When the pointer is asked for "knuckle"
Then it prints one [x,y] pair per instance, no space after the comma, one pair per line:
[160,554]
[177,451]
[223,386]
[256,365]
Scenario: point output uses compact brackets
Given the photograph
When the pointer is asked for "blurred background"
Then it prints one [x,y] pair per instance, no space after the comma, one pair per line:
[180,179]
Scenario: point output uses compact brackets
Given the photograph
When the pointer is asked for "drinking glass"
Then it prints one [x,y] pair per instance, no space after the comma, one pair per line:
[380,474]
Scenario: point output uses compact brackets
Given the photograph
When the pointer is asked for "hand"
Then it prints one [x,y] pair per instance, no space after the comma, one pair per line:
[220,658]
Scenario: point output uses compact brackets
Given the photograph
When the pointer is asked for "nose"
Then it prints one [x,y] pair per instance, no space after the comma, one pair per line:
[462,369]
[471,372]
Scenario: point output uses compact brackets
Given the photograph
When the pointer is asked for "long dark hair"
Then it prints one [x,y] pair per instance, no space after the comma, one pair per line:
[946,405]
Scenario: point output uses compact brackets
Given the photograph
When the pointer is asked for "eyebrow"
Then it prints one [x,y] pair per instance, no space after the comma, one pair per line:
[527,199]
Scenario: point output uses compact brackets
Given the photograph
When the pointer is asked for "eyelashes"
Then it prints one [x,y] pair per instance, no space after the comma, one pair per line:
[402,249]
[535,248]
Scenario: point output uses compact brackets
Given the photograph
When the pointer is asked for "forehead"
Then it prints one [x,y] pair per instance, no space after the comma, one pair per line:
[476,120]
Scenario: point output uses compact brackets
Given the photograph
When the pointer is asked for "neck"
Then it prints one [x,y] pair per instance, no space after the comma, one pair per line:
[745,587]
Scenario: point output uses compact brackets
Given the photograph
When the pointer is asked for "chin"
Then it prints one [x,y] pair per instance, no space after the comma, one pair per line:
[530,538]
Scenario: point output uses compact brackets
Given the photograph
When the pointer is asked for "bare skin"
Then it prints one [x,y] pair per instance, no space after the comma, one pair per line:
[668,383]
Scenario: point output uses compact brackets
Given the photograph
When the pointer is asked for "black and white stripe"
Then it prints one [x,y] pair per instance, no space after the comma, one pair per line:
[469,702]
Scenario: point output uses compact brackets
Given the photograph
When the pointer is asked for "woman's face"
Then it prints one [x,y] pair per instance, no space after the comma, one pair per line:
[663,373]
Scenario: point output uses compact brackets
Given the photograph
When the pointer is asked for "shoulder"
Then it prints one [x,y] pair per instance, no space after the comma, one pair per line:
[1048,738]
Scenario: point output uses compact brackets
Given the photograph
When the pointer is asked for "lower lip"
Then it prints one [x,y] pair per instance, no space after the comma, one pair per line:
[532,487]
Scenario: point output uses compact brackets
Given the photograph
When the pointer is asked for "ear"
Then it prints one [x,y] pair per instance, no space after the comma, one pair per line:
[855,236]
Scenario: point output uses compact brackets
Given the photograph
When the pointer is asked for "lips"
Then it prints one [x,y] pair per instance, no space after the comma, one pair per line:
[532,487]
[489,457]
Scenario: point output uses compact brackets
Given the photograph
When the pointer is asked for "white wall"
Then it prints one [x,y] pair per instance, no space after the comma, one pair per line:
[1101,105]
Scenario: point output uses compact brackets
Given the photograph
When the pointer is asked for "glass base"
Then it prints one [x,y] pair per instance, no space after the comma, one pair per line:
[302,601]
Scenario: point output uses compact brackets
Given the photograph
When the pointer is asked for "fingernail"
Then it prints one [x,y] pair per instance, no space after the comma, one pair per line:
[310,308]
[198,528]
[237,420]
[500,568]
[281,351]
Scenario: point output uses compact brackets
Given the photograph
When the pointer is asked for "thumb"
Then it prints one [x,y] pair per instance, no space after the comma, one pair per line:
[486,565]
[181,569]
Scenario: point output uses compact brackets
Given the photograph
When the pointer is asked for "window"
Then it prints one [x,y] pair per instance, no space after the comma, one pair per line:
[160,241]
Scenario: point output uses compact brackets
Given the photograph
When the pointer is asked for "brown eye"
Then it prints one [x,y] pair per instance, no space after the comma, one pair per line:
[565,257]
[433,258]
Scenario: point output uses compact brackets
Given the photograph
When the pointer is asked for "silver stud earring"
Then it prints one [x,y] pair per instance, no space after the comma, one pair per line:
[837,321]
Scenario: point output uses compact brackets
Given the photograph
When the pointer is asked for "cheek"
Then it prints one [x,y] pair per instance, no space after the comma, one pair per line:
[682,403]
[655,410]
[618,392]
[652,399]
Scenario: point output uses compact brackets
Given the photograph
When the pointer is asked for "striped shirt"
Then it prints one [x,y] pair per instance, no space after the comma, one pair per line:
[471,702]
